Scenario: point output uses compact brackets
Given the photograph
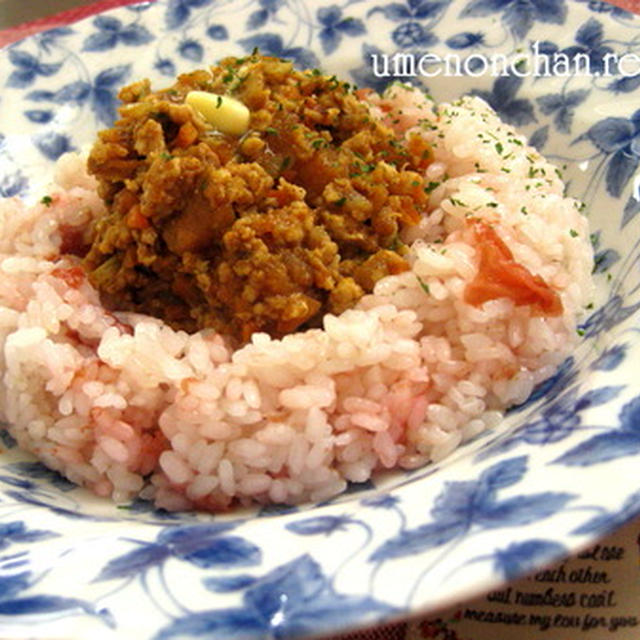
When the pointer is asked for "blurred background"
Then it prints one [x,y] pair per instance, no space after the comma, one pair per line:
[13,12]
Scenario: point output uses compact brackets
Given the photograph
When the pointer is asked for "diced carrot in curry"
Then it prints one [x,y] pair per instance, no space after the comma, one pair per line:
[187,135]
[135,219]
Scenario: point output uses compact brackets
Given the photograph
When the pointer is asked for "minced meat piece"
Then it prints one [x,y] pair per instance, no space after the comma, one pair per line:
[268,231]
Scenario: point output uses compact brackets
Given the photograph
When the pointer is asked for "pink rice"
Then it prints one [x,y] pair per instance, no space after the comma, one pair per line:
[128,407]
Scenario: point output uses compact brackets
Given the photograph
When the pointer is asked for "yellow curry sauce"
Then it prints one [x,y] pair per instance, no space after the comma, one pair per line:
[265,231]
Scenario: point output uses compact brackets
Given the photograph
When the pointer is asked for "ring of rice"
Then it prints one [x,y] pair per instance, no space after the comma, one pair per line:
[128,407]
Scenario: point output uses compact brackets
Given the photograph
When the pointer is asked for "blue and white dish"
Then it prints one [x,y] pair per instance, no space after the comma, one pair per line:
[560,471]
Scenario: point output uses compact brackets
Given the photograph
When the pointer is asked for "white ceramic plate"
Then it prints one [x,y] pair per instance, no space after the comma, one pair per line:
[558,473]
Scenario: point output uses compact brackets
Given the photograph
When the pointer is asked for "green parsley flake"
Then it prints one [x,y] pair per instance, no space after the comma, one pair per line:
[285,163]
[423,285]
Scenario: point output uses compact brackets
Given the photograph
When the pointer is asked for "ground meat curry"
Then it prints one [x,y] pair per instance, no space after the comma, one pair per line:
[267,231]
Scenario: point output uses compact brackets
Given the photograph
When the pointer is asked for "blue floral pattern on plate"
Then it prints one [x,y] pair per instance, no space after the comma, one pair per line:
[542,479]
